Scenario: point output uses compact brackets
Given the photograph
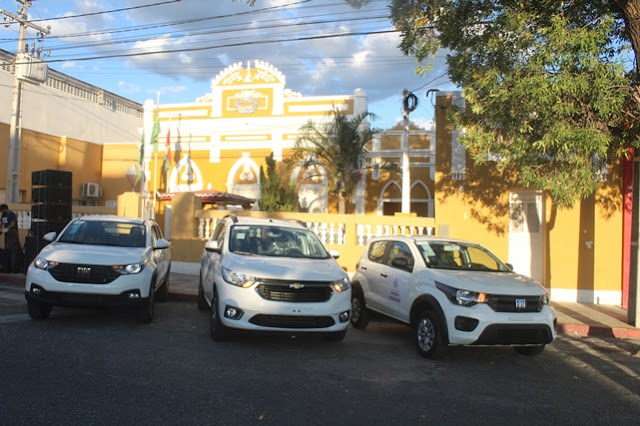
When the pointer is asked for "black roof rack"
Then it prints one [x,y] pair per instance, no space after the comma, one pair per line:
[299,222]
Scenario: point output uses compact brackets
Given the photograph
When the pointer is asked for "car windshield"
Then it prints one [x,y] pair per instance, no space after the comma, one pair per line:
[276,241]
[104,233]
[460,256]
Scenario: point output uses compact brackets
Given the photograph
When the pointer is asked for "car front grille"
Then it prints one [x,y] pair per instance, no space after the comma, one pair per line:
[295,291]
[500,303]
[83,274]
[515,334]
[292,321]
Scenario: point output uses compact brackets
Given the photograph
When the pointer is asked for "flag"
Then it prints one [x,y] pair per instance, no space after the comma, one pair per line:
[140,168]
[167,152]
[156,131]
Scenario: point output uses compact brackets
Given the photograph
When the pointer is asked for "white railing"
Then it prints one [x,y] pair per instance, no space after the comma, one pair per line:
[335,232]
[23,212]
[327,232]
[365,232]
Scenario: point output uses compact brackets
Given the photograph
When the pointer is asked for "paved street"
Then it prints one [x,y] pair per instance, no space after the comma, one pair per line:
[102,367]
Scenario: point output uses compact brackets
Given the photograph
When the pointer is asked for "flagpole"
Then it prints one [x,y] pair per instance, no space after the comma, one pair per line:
[155,159]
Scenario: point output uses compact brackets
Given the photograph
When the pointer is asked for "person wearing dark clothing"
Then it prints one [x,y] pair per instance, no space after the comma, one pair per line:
[11,237]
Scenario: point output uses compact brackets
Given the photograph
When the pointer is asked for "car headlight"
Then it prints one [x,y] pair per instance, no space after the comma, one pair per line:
[461,297]
[544,298]
[42,263]
[238,278]
[341,285]
[132,268]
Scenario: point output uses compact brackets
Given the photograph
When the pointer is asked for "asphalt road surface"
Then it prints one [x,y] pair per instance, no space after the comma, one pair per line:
[103,367]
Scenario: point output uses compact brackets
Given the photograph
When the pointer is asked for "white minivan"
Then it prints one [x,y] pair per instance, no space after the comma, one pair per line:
[260,274]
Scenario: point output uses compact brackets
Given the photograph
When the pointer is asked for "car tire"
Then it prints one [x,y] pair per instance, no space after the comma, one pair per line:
[219,331]
[359,314]
[529,350]
[38,310]
[145,314]
[163,292]
[335,336]
[429,336]
[202,301]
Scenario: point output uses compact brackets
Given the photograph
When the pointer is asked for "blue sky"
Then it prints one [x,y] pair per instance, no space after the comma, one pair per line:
[143,47]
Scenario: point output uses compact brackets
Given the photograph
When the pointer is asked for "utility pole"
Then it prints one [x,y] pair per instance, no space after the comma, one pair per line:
[13,167]
[409,104]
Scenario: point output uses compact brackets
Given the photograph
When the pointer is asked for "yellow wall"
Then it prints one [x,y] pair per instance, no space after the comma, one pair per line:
[116,160]
[583,245]
[42,152]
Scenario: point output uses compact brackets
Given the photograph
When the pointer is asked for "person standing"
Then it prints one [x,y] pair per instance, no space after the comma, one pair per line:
[11,237]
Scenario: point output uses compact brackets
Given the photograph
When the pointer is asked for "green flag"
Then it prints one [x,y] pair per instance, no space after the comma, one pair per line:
[156,131]
[140,168]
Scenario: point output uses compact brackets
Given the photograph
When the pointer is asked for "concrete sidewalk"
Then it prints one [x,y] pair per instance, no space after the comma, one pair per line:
[580,319]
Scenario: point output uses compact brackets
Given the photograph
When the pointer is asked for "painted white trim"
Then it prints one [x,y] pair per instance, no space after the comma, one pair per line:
[246,138]
[191,167]
[598,297]
[381,200]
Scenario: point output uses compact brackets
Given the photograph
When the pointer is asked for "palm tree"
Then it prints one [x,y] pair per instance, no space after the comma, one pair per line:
[340,147]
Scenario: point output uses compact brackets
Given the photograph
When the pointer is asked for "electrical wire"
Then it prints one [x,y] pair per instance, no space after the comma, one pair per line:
[108,11]
[252,43]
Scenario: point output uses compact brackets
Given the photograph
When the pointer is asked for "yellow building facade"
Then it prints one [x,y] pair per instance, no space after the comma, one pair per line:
[219,141]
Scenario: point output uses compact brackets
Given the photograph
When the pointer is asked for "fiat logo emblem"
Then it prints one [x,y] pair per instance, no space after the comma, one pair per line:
[83,272]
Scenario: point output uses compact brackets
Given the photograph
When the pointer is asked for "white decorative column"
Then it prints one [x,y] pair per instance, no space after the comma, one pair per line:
[406,174]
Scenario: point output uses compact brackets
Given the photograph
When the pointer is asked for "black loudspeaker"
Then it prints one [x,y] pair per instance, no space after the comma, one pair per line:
[32,247]
[51,212]
[41,227]
[51,178]
[51,194]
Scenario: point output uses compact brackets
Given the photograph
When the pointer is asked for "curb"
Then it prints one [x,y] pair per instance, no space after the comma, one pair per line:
[599,331]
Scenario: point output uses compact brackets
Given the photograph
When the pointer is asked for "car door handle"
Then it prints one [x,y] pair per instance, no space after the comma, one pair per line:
[382,274]
[364,268]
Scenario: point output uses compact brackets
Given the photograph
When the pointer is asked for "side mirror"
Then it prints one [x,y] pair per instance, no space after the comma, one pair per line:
[212,246]
[162,244]
[510,266]
[334,253]
[50,236]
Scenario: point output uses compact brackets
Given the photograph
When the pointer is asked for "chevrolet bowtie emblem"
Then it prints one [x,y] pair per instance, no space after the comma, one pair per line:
[296,286]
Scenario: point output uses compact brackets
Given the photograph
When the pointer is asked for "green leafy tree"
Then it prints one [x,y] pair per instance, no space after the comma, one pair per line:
[274,197]
[551,91]
[339,146]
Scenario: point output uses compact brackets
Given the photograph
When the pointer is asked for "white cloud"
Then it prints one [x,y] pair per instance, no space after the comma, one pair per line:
[128,88]
[190,56]
[167,90]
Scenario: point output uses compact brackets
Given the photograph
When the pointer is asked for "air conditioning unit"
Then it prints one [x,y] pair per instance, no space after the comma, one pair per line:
[91,190]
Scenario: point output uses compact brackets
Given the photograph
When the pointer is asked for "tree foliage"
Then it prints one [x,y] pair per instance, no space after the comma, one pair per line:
[550,85]
[340,147]
[274,196]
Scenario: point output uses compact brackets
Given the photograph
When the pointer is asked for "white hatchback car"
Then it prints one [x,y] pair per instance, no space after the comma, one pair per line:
[272,275]
[100,261]
[452,292]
